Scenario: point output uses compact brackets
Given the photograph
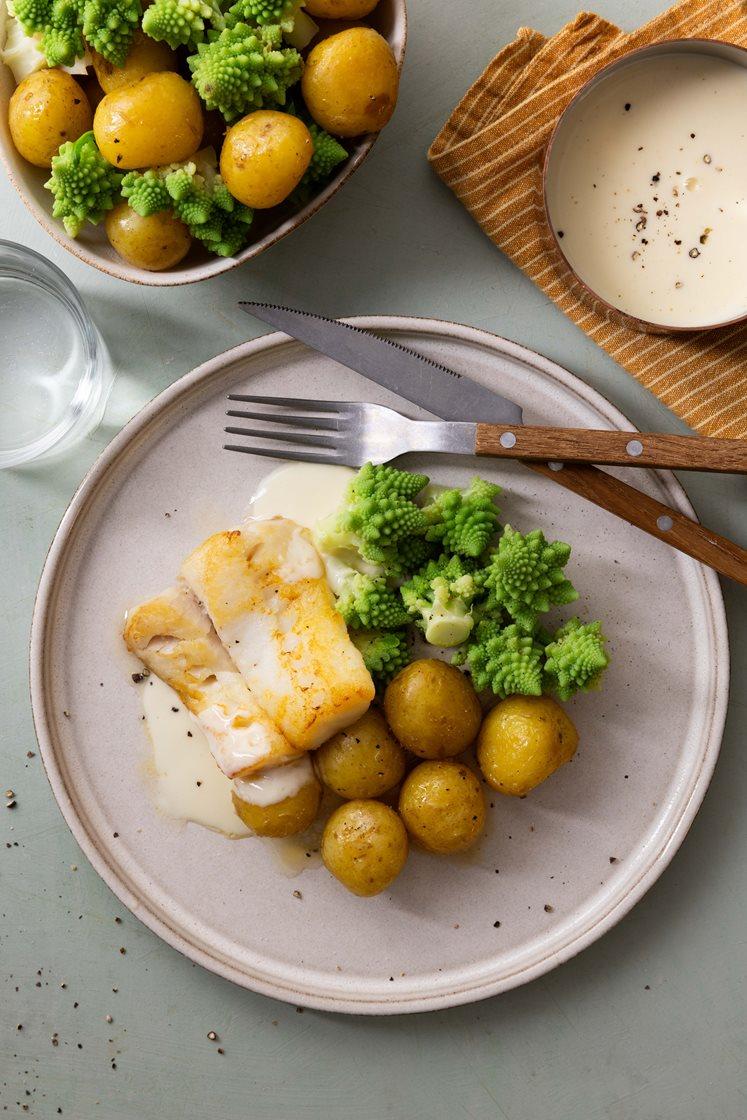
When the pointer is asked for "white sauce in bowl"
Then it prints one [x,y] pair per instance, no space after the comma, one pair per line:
[647,188]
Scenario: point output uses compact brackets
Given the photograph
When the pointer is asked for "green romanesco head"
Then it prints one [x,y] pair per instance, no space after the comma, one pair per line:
[384,652]
[146,192]
[33,15]
[83,184]
[109,25]
[61,34]
[575,658]
[503,659]
[440,596]
[328,152]
[181,23]
[378,515]
[375,478]
[244,68]
[261,12]
[525,576]
[367,603]
[464,521]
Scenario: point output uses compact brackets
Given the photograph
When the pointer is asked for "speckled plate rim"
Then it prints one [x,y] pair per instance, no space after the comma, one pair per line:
[116,876]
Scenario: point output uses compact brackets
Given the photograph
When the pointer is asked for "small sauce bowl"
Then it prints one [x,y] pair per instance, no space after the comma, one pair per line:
[633,188]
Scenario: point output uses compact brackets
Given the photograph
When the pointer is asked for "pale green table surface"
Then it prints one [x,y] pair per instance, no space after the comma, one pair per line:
[647,1024]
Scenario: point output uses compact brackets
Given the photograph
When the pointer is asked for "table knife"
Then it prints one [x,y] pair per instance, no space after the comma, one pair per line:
[560,454]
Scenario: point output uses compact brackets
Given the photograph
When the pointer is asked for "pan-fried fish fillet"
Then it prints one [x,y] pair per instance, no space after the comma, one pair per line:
[265,590]
[174,638]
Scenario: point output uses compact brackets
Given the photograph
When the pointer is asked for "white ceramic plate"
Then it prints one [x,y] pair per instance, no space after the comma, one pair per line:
[586,845]
[92,245]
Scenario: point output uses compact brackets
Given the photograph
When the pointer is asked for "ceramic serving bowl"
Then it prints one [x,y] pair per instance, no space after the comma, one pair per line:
[389,18]
[557,149]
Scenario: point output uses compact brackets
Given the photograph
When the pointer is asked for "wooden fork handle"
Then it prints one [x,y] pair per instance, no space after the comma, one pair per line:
[653,517]
[632,449]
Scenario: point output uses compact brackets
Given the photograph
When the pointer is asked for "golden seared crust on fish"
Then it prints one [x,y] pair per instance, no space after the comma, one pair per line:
[265,589]
[174,638]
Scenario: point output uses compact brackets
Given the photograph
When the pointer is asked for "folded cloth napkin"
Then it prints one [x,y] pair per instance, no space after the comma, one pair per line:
[490,154]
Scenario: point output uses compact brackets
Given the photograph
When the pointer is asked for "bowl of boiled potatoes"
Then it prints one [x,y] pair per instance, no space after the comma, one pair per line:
[413,772]
[166,141]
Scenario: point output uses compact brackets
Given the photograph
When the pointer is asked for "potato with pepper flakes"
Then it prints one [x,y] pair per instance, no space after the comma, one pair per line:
[153,243]
[350,82]
[288,817]
[145,56]
[154,121]
[443,807]
[364,846]
[432,709]
[264,157]
[340,9]
[524,740]
[364,760]
[46,110]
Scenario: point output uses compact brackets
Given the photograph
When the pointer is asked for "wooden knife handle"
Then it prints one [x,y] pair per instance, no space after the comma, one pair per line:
[632,449]
[653,517]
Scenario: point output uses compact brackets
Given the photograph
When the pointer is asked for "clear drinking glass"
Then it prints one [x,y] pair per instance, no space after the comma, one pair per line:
[53,362]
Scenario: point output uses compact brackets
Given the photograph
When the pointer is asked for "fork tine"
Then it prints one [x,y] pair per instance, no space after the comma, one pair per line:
[292,436]
[296,456]
[322,423]
[290,402]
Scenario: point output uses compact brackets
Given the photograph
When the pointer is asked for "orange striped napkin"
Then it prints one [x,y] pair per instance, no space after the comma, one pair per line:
[490,154]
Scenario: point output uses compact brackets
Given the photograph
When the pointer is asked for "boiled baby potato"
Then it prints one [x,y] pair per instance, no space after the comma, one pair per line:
[442,806]
[350,82]
[340,9]
[264,157]
[364,846]
[432,709]
[288,817]
[145,56]
[153,243]
[153,121]
[47,109]
[364,760]
[522,741]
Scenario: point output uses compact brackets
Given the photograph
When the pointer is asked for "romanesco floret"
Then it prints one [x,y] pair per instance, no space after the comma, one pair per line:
[384,652]
[59,24]
[244,68]
[377,515]
[328,152]
[440,597]
[367,603]
[181,22]
[296,27]
[84,185]
[464,521]
[525,576]
[503,659]
[109,25]
[575,658]
[198,197]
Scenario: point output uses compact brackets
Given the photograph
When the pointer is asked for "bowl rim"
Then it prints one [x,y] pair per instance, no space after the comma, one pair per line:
[650,326]
[214,266]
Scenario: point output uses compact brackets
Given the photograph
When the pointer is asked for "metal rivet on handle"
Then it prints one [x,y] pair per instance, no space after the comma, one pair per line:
[634,448]
[664,523]
[508,439]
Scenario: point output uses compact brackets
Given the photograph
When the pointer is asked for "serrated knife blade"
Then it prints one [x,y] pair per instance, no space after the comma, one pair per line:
[424,382]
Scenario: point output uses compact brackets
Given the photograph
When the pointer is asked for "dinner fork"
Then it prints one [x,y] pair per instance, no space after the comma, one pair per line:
[352,433]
